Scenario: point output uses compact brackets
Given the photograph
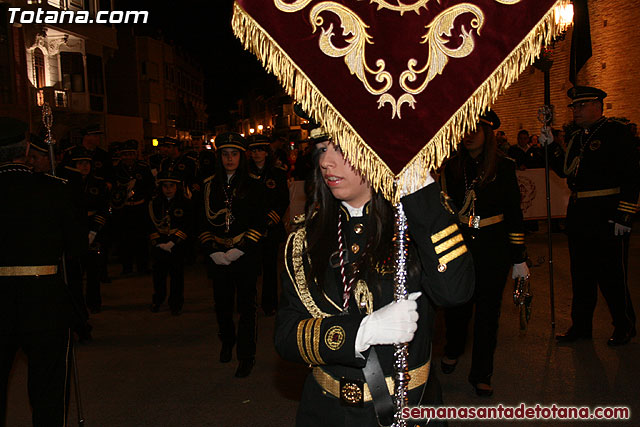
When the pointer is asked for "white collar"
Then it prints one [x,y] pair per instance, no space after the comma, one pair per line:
[354,212]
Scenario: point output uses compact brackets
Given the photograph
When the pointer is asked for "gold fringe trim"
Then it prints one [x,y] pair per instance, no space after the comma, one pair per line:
[298,85]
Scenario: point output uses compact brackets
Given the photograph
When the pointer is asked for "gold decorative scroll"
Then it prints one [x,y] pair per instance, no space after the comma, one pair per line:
[401,7]
[291,7]
[439,53]
[354,52]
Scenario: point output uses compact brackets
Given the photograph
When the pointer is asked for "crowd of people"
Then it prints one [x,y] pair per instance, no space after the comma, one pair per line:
[335,310]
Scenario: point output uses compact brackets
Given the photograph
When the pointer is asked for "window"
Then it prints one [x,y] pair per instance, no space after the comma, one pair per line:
[154,113]
[72,71]
[38,68]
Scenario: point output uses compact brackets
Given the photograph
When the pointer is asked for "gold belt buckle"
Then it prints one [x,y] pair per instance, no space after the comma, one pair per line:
[228,242]
[351,392]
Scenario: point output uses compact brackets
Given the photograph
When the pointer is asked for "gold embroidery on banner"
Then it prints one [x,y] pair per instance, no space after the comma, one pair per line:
[508,2]
[291,7]
[439,53]
[354,52]
[402,7]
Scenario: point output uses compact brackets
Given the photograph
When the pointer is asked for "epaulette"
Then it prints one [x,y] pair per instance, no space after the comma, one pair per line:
[254,176]
[64,181]
[209,179]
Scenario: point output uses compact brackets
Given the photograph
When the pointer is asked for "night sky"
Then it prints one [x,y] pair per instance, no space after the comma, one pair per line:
[203,28]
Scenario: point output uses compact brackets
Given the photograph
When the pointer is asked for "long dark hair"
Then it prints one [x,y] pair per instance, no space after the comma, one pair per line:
[321,223]
[489,157]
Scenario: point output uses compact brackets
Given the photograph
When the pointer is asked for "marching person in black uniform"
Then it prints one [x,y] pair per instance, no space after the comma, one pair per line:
[231,226]
[170,218]
[337,311]
[482,183]
[603,174]
[274,179]
[133,189]
[177,164]
[40,224]
[101,160]
[96,202]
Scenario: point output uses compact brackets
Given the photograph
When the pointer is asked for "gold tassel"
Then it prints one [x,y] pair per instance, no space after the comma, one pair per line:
[298,85]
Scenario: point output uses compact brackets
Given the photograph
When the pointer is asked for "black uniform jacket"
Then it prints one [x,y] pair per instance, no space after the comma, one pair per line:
[604,159]
[274,181]
[169,220]
[40,223]
[500,196]
[246,216]
[310,325]
[134,185]
[182,166]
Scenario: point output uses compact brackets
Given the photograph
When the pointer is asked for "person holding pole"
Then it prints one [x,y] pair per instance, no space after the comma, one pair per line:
[336,311]
[35,304]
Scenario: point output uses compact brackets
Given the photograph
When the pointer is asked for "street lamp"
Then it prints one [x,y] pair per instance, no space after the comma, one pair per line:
[252,130]
[260,127]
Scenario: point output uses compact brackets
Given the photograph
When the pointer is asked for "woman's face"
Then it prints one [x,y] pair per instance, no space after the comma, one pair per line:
[169,189]
[230,159]
[474,141]
[343,181]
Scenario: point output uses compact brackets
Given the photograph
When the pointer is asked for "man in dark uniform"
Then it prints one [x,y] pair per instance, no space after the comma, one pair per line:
[35,307]
[131,193]
[525,155]
[603,175]
[177,163]
[274,180]
[231,225]
[95,199]
[102,166]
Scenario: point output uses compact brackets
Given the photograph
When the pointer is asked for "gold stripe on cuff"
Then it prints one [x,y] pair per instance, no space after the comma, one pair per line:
[316,340]
[308,339]
[452,255]
[300,338]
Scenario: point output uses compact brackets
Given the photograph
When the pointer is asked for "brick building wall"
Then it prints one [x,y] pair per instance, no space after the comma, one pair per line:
[614,67]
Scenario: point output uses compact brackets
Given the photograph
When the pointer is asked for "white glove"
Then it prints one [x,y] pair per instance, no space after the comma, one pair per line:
[233,254]
[220,258]
[620,229]
[545,137]
[520,270]
[410,188]
[166,246]
[395,323]
[92,237]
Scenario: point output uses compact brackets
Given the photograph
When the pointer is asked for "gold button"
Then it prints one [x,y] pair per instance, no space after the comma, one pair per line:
[355,248]
[358,228]
[442,268]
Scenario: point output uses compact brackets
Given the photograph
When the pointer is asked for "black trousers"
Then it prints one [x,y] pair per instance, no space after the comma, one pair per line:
[491,263]
[133,238]
[269,254]
[237,282]
[168,264]
[48,369]
[92,264]
[600,259]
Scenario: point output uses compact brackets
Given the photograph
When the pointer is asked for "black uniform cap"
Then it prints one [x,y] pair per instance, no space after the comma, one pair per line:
[256,141]
[168,176]
[12,131]
[231,140]
[37,143]
[491,118]
[172,142]
[585,93]
[92,130]
[129,145]
[317,132]
[78,153]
